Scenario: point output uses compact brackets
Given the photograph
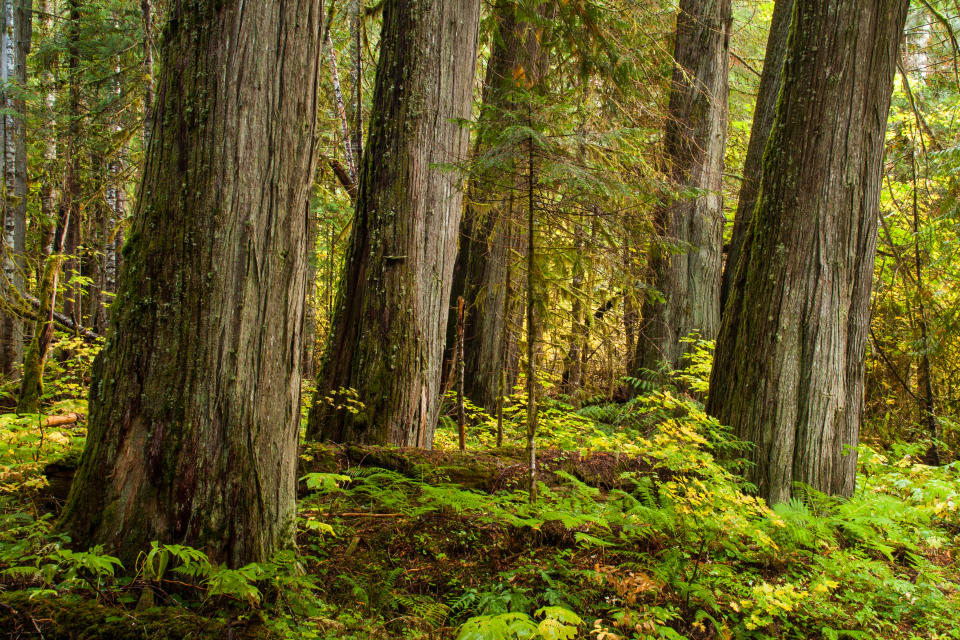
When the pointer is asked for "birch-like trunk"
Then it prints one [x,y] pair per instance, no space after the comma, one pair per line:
[146,14]
[14,46]
[112,232]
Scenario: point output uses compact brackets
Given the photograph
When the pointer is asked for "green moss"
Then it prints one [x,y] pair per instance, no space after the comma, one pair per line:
[67,617]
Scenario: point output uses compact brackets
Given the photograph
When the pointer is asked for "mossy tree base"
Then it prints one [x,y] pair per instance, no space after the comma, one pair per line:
[195,399]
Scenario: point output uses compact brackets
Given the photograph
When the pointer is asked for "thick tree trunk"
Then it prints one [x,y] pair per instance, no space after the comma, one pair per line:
[194,404]
[788,373]
[488,240]
[14,46]
[388,331]
[763,113]
[686,261]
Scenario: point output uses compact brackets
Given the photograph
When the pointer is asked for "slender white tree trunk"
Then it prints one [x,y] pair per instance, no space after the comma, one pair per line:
[14,44]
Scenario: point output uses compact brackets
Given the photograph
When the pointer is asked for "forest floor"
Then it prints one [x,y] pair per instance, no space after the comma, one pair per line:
[641,529]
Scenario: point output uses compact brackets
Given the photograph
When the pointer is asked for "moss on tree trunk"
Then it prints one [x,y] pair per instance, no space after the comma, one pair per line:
[388,329]
[686,260]
[788,373]
[35,358]
[763,114]
[194,402]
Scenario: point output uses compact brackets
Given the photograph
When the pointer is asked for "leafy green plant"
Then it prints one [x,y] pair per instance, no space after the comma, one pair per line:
[556,623]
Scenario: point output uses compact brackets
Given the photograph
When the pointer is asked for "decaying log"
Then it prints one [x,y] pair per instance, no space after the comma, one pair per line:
[62,420]
[489,470]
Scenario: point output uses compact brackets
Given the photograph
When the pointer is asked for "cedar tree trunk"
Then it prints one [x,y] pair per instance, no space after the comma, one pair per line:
[788,373]
[195,399]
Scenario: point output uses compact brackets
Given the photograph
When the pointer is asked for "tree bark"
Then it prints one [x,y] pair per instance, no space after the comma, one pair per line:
[71,191]
[116,212]
[694,145]
[387,337]
[51,256]
[35,358]
[14,46]
[355,108]
[487,238]
[146,14]
[194,403]
[533,325]
[788,371]
[763,113]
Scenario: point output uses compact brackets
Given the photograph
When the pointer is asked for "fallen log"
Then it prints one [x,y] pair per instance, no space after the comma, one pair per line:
[487,470]
[62,420]
[64,321]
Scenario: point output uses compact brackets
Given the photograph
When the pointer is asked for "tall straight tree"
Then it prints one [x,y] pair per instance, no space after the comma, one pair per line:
[34,358]
[686,261]
[72,189]
[763,114]
[194,404]
[14,46]
[788,373]
[490,233]
[388,333]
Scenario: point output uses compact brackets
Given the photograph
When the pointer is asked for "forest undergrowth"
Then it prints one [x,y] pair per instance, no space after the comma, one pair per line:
[642,529]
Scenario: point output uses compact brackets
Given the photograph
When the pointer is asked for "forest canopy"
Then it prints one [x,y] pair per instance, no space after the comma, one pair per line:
[614,319]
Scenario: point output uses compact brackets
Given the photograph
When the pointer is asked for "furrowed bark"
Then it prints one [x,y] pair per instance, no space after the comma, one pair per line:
[763,113]
[194,403]
[788,370]
[387,337]
[686,261]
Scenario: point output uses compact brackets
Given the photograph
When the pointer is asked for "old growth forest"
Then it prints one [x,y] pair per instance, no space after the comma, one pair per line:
[463,320]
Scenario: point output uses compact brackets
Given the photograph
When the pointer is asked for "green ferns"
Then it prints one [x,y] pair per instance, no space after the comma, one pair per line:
[556,623]
[666,542]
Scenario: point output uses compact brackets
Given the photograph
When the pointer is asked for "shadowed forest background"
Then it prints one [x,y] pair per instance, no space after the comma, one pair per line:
[554,319]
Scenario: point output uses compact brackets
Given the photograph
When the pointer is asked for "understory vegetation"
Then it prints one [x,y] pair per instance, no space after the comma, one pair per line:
[642,529]
[480,320]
